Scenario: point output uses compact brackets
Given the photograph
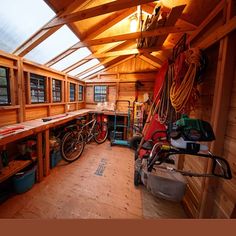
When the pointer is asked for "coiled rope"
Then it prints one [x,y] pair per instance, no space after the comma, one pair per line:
[183,92]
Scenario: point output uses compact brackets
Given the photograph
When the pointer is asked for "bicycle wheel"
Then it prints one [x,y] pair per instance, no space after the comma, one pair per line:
[100,132]
[72,146]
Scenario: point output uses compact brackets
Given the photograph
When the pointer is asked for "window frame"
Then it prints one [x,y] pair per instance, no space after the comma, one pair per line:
[101,93]
[7,86]
[56,90]
[38,77]
[74,85]
[80,93]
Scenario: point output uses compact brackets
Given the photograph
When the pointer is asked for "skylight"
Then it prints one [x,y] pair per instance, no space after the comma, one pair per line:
[84,67]
[92,72]
[58,42]
[72,58]
[20,19]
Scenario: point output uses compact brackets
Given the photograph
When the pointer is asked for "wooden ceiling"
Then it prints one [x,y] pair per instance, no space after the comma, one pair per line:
[106,31]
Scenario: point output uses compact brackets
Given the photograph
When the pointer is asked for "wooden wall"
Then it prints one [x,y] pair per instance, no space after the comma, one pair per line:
[21,108]
[203,110]
[121,86]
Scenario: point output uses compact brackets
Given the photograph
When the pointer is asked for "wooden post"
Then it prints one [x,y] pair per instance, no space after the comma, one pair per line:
[221,101]
[40,157]
[20,92]
[47,153]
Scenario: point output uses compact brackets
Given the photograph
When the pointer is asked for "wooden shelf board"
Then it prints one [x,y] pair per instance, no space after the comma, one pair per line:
[13,167]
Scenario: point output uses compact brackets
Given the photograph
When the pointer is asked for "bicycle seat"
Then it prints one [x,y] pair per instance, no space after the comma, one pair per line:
[148,145]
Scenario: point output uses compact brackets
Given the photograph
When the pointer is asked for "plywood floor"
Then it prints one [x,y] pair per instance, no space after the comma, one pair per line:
[98,185]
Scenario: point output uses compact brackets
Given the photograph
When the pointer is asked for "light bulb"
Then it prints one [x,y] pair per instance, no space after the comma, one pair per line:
[133,24]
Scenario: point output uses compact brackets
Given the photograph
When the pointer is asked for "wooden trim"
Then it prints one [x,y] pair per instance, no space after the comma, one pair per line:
[95,11]
[12,87]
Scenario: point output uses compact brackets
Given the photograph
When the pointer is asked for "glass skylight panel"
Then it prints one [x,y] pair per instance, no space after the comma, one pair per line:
[58,42]
[72,58]
[92,72]
[20,19]
[84,67]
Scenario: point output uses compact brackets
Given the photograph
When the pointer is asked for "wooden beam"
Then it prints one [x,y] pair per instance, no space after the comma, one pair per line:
[207,20]
[218,34]
[99,29]
[105,62]
[131,36]
[96,11]
[86,59]
[43,33]
[154,61]
[47,153]
[128,52]
[40,157]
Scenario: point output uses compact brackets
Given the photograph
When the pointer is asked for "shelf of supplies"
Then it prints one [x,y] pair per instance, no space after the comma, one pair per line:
[14,167]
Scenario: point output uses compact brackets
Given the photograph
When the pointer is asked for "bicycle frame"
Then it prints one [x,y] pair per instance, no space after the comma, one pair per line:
[88,135]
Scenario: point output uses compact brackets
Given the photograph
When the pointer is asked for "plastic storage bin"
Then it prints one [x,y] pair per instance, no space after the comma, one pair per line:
[24,181]
[55,157]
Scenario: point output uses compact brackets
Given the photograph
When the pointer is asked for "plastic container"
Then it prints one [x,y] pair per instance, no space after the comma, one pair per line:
[55,158]
[24,181]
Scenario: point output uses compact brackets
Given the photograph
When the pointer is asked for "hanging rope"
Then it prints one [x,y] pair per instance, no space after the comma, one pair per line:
[183,92]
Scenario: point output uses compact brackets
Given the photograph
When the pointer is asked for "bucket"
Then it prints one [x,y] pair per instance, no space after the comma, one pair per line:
[24,181]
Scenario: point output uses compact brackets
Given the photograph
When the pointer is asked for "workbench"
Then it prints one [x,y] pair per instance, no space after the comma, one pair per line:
[41,129]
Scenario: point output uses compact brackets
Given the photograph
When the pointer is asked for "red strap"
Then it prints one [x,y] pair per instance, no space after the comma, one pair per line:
[12,129]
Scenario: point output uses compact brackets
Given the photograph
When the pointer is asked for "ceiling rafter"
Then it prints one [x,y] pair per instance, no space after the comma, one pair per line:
[219,7]
[105,62]
[43,33]
[96,11]
[105,24]
[154,61]
[128,52]
[103,50]
[136,35]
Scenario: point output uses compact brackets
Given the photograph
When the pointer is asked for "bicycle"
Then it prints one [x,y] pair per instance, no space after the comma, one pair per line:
[80,134]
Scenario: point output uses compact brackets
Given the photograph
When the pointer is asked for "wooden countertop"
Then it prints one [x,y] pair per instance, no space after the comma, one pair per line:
[34,126]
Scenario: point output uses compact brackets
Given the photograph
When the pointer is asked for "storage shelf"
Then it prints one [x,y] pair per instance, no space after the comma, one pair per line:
[14,167]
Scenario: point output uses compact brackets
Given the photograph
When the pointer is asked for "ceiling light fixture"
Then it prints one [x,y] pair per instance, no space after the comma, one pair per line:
[133,23]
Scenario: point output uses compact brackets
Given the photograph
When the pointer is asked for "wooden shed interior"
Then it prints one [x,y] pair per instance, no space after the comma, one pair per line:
[67,59]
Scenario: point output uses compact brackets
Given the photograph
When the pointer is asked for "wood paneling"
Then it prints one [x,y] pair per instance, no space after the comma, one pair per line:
[202,111]
[35,113]
[57,109]
[8,117]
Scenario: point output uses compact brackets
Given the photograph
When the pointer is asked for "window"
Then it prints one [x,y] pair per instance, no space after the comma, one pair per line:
[100,93]
[4,86]
[37,86]
[81,93]
[72,92]
[56,90]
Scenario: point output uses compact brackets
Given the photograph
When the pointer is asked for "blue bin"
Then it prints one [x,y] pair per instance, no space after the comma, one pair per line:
[55,158]
[25,180]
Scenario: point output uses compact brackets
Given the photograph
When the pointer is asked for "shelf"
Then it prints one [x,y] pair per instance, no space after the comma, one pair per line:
[14,167]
